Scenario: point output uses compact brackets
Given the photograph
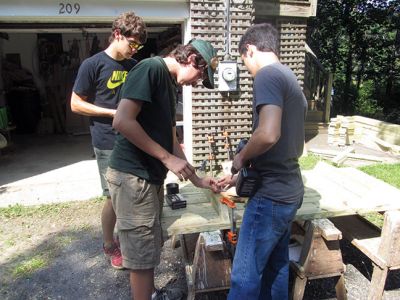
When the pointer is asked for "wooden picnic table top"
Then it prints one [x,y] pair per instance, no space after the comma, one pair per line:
[329,192]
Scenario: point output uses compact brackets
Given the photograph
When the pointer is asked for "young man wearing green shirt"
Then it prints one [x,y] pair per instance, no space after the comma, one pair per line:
[146,149]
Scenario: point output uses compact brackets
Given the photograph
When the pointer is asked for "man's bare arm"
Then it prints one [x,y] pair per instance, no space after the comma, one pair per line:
[202,182]
[125,121]
[80,105]
[264,137]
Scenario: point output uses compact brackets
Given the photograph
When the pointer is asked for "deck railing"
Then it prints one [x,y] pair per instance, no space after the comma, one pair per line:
[317,85]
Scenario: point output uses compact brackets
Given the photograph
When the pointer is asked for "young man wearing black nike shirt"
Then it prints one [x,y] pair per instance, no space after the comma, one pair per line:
[96,94]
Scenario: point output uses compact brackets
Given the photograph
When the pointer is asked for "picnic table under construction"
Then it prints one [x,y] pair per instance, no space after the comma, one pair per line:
[333,202]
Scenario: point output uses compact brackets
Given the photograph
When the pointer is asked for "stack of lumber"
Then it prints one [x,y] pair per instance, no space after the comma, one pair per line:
[346,130]
[341,131]
[333,130]
[378,134]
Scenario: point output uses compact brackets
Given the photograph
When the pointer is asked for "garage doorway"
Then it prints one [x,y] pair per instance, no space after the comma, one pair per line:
[40,63]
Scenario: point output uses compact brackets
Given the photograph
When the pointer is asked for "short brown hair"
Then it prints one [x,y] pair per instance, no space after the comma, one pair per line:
[130,25]
[182,52]
[264,36]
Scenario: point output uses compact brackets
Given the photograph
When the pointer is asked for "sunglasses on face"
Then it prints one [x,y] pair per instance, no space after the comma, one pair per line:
[135,45]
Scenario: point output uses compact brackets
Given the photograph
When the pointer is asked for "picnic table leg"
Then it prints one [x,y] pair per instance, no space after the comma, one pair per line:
[299,288]
[188,245]
[377,283]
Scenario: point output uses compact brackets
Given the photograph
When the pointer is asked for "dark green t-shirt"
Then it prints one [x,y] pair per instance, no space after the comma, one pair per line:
[150,82]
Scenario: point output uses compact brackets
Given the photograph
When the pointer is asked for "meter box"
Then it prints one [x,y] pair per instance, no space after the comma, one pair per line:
[227,76]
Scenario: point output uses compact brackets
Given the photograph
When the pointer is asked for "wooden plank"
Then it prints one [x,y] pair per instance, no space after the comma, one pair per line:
[299,287]
[370,191]
[327,229]
[283,8]
[329,192]
[395,149]
[377,283]
[389,248]
[193,224]
[339,159]
[213,241]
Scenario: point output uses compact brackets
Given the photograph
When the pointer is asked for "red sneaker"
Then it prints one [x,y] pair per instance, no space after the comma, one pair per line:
[114,254]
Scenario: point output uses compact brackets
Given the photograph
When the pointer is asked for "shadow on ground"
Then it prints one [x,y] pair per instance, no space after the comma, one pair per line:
[31,155]
[77,271]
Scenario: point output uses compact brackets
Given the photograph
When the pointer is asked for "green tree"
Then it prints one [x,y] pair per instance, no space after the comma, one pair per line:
[358,41]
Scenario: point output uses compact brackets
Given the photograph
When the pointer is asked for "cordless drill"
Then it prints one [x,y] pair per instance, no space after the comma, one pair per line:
[248,179]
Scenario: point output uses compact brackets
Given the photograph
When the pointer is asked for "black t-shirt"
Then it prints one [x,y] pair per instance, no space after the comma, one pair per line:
[281,178]
[149,81]
[100,78]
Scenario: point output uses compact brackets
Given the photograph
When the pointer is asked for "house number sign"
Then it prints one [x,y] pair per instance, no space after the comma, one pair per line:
[69,8]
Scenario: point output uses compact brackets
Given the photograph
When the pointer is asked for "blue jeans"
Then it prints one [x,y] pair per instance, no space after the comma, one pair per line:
[261,262]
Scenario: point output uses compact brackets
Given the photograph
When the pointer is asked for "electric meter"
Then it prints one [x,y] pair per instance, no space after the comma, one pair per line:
[227,76]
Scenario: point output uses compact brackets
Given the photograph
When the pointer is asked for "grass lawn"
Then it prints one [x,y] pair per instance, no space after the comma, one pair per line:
[389,173]
[309,161]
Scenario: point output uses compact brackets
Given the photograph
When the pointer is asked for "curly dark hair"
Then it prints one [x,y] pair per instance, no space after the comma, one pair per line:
[182,52]
[130,25]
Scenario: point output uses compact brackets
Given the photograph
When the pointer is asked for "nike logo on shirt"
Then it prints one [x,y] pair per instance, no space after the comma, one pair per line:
[117,78]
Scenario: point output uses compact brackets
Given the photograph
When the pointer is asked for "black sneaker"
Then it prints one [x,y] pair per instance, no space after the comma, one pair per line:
[168,294]
[160,295]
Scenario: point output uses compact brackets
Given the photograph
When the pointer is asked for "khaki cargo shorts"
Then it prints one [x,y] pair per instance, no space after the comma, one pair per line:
[138,207]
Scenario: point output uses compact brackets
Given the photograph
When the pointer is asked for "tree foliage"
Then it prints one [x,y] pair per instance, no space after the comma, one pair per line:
[359,42]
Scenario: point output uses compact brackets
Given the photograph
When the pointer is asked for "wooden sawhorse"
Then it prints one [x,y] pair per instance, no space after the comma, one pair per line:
[207,263]
[381,246]
[320,256]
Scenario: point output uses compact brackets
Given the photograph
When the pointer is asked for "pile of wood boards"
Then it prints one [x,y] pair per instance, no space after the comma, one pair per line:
[346,130]
[341,131]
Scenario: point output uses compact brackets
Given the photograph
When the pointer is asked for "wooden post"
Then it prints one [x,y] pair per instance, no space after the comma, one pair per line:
[377,283]
[298,288]
[328,98]
[341,292]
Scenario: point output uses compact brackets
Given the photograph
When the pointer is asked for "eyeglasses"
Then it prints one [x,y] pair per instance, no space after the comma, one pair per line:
[135,45]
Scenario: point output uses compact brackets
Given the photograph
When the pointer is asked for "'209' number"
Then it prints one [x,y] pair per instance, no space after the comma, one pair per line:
[68,8]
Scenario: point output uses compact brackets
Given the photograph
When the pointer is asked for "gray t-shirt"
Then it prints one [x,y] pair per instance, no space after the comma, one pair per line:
[278,167]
